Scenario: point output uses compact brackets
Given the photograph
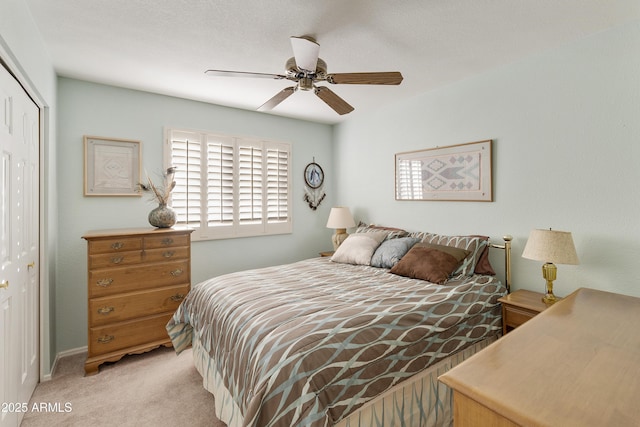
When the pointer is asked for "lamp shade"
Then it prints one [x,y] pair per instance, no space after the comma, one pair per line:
[551,246]
[340,217]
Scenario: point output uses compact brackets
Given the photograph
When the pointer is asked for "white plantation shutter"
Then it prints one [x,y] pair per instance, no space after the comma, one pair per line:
[186,196]
[250,184]
[220,159]
[230,187]
[277,185]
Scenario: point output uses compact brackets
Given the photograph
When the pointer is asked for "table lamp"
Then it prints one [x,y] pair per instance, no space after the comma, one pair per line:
[550,246]
[340,219]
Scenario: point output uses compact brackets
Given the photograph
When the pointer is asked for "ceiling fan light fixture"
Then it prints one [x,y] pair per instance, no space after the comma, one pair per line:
[291,66]
[306,68]
[305,83]
[305,50]
[321,67]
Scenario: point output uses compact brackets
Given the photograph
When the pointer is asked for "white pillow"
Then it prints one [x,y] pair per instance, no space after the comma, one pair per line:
[358,248]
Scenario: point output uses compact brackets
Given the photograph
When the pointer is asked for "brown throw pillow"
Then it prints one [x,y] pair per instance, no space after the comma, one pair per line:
[458,253]
[484,265]
[429,262]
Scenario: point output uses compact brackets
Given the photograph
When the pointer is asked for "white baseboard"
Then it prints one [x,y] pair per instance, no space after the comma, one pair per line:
[59,356]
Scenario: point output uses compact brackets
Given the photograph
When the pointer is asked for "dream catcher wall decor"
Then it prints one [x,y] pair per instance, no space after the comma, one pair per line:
[314,180]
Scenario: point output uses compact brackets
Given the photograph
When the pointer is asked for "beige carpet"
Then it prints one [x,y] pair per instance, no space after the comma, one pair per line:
[155,388]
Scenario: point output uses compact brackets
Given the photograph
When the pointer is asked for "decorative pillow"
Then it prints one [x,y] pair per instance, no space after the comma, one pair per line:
[358,248]
[420,234]
[390,251]
[429,262]
[392,232]
[474,244]
[457,253]
[484,265]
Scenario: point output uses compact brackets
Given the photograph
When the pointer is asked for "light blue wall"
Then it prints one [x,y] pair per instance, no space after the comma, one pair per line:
[566,131]
[93,109]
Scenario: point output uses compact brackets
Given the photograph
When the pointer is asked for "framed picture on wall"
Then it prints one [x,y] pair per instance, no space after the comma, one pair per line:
[456,172]
[111,166]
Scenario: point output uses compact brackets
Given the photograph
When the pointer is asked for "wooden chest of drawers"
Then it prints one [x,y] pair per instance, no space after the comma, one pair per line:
[574,364]
[136,280]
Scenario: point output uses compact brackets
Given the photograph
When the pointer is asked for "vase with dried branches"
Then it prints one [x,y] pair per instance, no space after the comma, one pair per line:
[163,216]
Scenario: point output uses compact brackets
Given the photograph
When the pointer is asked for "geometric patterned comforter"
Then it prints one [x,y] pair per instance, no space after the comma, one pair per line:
[306,344]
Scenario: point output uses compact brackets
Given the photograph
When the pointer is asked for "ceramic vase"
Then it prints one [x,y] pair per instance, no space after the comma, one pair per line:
[162,217]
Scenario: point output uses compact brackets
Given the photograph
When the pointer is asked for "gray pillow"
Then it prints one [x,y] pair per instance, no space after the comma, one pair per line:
[390,251]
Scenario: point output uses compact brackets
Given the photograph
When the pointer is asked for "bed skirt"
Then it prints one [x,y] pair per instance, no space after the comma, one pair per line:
[418,401]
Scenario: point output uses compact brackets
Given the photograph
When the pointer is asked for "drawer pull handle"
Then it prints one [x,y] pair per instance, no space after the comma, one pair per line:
[104,282]
[105,339]
[176,273]
[117,245]
[168,254]
[4,284]
[167,241]
[105,310]
[177,297]
[117,259]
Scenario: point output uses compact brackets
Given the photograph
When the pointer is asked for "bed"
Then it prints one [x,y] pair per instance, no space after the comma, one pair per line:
[357,339]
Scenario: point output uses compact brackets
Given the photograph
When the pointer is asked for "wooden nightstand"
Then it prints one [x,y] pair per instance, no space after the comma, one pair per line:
[326,254]
[520,306]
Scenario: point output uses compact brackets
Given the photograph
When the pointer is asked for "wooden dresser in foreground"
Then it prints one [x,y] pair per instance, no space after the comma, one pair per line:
[136,280]
[574,364]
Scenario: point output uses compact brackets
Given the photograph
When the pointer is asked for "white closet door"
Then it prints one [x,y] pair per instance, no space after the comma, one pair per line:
[19,249]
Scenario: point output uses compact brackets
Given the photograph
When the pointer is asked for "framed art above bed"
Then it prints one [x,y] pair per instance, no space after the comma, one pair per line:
[453,173]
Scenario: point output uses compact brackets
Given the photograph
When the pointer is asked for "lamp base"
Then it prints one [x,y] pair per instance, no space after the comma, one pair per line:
[550,299]
[549,274]
[338,237]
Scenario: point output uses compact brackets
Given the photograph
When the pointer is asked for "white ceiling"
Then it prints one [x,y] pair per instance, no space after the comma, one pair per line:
[164,46]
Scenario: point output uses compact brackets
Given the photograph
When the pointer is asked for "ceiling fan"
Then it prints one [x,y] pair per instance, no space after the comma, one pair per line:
[305,68]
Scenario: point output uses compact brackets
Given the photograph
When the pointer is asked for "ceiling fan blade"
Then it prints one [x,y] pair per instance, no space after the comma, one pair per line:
[381,78]
[339,105]
[223,73]
[277,99]
[306,51]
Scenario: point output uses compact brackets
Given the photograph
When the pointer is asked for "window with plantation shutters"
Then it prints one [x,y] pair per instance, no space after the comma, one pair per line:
[229,186]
